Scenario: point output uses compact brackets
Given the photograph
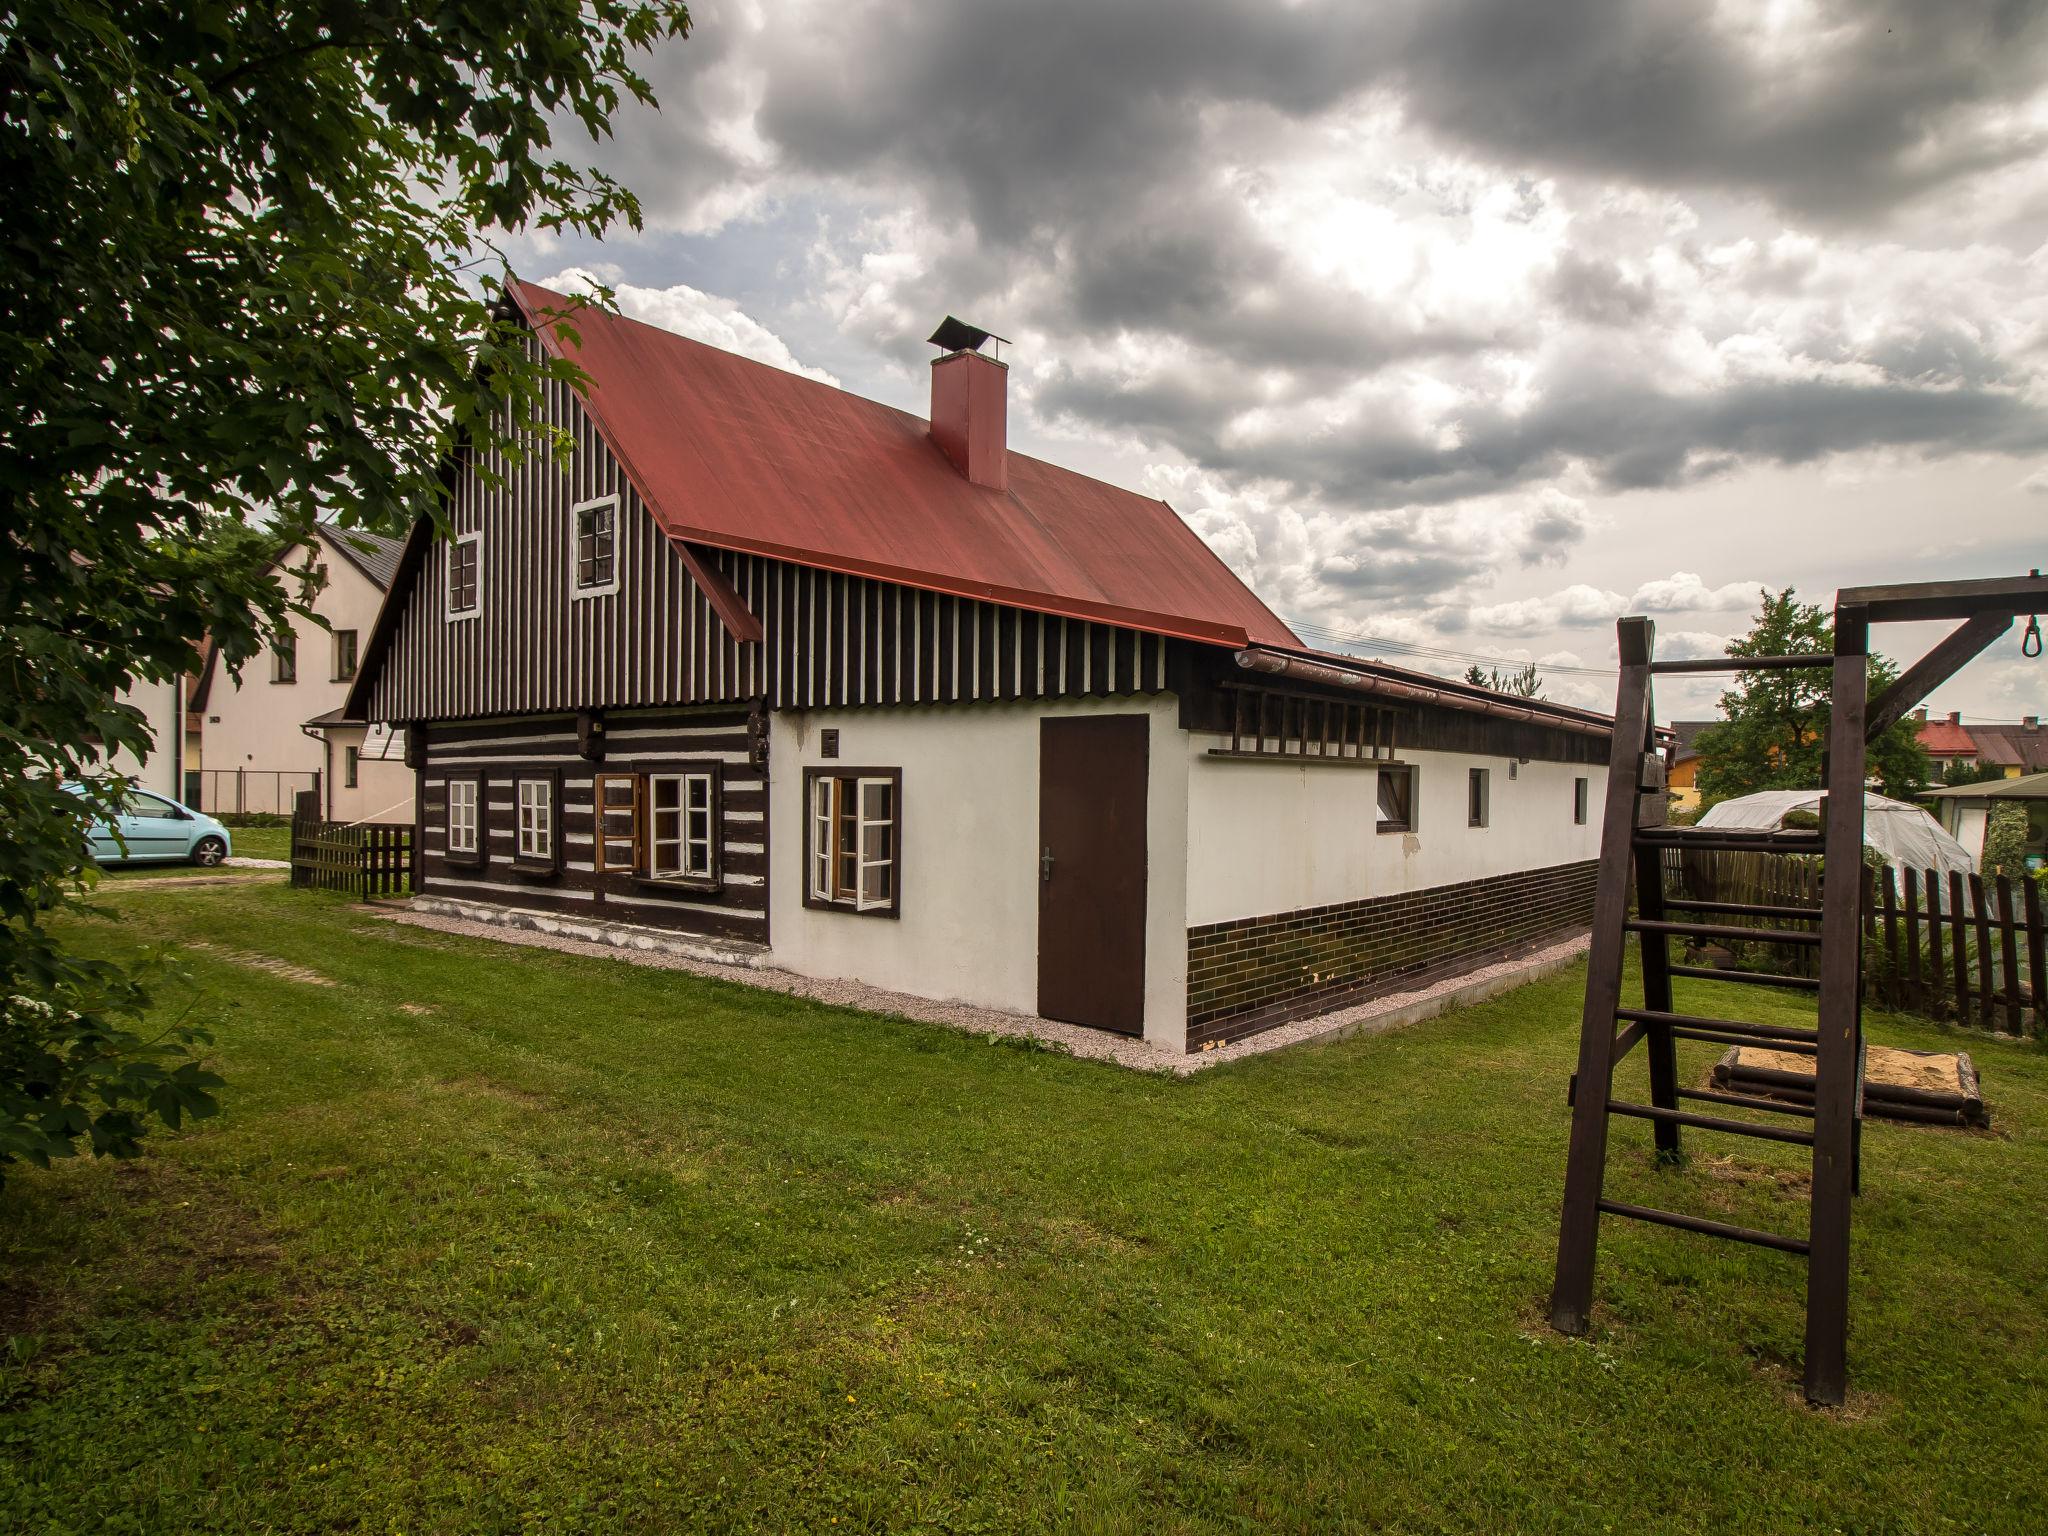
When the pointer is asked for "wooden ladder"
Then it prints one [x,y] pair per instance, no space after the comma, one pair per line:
[1633,836]
[1634,833]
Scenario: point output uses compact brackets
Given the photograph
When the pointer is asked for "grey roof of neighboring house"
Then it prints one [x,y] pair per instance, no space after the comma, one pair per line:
[2032,787]
[1687,732]
[371,553]
[2024,745]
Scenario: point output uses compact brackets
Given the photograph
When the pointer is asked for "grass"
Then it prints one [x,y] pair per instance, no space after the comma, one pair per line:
[492,1239]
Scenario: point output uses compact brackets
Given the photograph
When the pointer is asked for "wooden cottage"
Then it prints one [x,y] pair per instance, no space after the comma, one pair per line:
[781,675]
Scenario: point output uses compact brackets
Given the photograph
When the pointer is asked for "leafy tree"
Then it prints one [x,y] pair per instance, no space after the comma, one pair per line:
[2005,839]
[1524,684]
[1958,773]
[1774,725]
[248,279]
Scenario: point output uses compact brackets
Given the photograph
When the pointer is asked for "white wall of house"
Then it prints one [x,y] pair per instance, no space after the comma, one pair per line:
[1266,838]
[252,722]
[1971,818]
[968,930]
[158,769]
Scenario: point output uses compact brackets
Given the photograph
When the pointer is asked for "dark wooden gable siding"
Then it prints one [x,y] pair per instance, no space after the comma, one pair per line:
[828,638]
[534,647]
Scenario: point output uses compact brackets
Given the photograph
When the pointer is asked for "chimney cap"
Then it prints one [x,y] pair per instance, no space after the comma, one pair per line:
[958,336]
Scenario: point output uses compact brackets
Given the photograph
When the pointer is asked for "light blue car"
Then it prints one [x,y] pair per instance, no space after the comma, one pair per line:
[156,830]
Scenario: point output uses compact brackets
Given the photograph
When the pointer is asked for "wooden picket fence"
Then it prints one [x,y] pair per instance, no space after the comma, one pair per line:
[1945,945]
[364,859]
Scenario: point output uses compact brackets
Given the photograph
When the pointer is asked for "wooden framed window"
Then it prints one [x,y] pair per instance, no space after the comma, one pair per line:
[618,822]
[594,547]
[1397,799]
[284,659]
[1579,801]
[1478,797]
[538,843]
[345,649]
[853,839]
[682,827]
[466,576]
[465,820]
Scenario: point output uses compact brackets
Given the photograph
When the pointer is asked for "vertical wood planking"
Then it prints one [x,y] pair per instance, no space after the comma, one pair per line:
[2009,951]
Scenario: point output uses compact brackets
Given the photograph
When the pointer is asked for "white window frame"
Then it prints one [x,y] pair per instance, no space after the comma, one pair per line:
[694,856]
[827,809]
[450,612]
[536,820]
[603,589]
[863,822]
[462,816]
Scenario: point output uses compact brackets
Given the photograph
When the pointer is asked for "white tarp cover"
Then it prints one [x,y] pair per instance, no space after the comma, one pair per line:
[1906,835]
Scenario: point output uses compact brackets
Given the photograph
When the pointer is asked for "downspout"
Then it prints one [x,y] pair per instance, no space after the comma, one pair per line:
[326,770]
[1301,670]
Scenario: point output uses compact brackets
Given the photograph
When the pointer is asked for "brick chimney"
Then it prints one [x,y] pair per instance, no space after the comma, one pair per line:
[2031,722]
[1955,717]
[1920,715]
[970,403]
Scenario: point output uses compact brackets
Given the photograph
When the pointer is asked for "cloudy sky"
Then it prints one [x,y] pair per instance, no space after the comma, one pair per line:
[1458,327]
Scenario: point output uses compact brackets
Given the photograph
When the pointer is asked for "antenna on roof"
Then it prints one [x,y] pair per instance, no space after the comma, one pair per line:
[958,336]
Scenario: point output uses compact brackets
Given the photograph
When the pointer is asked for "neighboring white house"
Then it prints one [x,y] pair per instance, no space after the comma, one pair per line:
[280,727]
[163,768]
[776,672]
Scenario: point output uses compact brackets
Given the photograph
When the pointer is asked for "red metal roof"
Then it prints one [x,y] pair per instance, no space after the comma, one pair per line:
[1944,738]
[739,455]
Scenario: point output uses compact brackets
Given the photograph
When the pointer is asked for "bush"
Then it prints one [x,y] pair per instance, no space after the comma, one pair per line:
[2005,839]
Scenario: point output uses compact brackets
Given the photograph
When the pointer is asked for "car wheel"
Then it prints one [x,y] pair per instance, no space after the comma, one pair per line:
[209,851]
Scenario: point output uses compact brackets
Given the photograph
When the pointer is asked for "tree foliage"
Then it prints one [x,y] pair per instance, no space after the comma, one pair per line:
[2005,839]
[1527,683]
[1774,726]
[248,280]
[1958,773]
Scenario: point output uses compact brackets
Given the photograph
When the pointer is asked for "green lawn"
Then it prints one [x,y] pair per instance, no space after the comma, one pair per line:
[494,1239]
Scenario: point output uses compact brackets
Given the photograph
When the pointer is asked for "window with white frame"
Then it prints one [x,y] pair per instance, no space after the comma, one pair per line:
[466,576]
[1396,799]
[853,839]
[594,547]
[682,842]
[462,818]
[537,821]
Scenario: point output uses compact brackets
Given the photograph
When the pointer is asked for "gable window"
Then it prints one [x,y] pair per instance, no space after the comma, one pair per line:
[853,838]
[284,659]
[536,822]
[466,576]
[1579,801]
[682,839]
[594,547]
[1397,799]
[1478,794]
[464,845]
[351,767]
[344,655]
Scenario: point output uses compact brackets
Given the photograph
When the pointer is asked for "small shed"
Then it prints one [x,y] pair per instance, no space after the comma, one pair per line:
[1965,809]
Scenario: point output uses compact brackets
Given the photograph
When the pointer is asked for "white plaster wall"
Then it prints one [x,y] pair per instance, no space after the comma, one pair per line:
[157,769]
[253,723]
[1265,838]
[969,925]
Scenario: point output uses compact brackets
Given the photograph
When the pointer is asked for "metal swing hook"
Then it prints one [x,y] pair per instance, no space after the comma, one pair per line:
[2030,642]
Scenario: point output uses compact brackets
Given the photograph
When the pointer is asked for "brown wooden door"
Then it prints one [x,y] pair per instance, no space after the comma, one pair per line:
[1091,870]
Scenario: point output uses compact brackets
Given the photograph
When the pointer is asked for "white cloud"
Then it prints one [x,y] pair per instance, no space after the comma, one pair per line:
[2036,484]
[1685,592]
[693,313]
